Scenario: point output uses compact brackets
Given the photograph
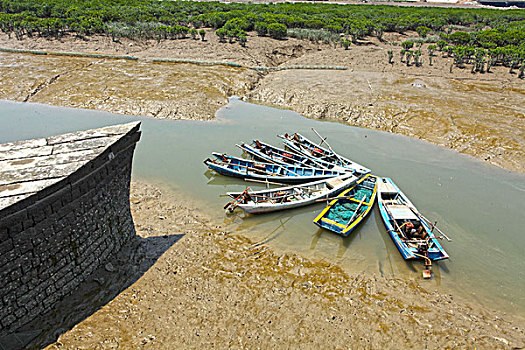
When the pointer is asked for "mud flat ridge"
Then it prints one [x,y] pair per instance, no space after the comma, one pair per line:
[478,114]
[212,288]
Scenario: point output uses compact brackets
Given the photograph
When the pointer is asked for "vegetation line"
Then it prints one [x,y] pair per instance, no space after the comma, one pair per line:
[197,62]
[478,39]
[169,60]
[70,54]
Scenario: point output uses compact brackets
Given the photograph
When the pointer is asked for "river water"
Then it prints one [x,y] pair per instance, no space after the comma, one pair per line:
[479,206]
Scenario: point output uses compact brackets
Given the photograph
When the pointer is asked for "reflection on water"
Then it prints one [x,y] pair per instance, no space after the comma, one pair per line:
[479,206]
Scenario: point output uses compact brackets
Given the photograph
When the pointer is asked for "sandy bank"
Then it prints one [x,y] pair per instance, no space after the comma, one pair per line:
[211,288]
[478,114]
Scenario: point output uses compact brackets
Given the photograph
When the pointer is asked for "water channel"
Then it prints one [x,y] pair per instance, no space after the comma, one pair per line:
[479,206]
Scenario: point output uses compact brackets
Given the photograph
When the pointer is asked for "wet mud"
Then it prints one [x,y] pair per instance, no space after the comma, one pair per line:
[477,114]
[212,288]
[177,91]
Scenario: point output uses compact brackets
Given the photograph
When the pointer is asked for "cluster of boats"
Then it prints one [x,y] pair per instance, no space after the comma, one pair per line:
[316,173]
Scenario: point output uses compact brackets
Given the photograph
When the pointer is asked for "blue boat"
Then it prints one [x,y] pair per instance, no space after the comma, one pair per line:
[349,209]
[411,232]
[250,169]
[300,144]
[268,153]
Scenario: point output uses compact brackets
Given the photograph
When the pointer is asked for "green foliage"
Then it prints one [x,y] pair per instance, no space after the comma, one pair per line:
[407,45]
[358,30]
[459,38]
[423,31]
[193,33]
[417,58]
[379,29]
[235,33]
[238,23]
[221,33]
[314,35]
[277,30]
[334,28]
[242,39]
[476,36]
[261,28]
[390,56]
[409,54]
[431,49]
[345,43]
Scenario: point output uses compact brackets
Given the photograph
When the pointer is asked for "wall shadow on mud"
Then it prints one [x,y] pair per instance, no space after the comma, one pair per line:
[110,279]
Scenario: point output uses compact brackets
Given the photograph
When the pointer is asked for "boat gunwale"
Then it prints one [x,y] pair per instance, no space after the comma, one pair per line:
[403,248]
[349,180]
[349,228]
[344,161]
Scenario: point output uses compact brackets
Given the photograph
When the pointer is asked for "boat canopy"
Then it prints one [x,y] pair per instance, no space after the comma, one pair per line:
[402,212]
[387,188]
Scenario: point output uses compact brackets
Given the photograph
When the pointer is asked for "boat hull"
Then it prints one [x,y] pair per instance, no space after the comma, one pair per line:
[247,169]
[269,153]
[301,145]
[343,182]
[408,250]
[339,223]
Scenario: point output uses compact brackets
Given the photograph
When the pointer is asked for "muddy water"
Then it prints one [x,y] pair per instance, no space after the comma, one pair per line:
[479,206]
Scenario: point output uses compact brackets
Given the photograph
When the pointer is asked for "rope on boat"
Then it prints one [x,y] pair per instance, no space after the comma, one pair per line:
[236,201]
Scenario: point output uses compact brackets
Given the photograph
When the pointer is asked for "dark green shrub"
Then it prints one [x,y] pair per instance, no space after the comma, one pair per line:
[277,30]
[261,28]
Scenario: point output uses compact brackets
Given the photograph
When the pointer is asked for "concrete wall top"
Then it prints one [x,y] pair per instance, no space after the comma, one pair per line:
[26,167]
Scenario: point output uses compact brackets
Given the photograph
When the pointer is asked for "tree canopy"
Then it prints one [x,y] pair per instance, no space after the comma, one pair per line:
[470,35]
[137,18]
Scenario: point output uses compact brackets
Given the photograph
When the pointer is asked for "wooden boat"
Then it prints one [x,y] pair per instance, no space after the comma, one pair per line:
[244,168]
[300,144]
[348,210]
[282,198]
[268,153]
[411,232]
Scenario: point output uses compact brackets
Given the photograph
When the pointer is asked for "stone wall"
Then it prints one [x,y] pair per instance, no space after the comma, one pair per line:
[52,240]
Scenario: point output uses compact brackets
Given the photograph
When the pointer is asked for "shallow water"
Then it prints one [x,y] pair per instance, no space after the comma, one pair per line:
[478,205]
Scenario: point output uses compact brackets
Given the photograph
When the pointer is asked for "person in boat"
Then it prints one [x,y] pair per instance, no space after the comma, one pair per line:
[407,228]
[416,231]
[420,233]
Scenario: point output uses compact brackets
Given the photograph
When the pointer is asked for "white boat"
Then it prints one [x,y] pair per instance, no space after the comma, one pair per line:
[300,144]
[282,198]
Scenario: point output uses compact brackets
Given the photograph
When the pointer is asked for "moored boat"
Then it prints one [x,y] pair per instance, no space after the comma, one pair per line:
[268,153]
[282,198]
[250,169]
[343,214]
[300,144]
[411,232]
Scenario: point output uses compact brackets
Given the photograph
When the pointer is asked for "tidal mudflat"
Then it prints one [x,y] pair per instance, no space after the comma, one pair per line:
[284,256]
[480,115]
[213,288]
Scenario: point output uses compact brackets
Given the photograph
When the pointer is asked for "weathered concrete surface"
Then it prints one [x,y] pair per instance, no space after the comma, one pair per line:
[64,208]
[28,166]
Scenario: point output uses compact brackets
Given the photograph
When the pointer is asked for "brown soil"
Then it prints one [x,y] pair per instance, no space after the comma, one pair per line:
[478,114]
[213,289]
[481,115]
